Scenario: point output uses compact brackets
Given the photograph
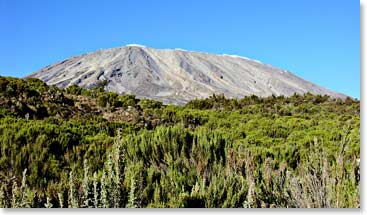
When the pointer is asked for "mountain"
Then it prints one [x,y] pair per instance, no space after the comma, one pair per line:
[175,75]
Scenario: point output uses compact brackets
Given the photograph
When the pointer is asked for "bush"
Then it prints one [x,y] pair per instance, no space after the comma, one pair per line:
[149,104]
[109,100]
[298,151]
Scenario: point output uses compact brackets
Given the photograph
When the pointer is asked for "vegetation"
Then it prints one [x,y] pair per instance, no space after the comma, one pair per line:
[89,148]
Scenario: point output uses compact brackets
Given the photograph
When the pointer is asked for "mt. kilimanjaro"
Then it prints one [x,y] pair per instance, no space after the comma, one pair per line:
[175,76]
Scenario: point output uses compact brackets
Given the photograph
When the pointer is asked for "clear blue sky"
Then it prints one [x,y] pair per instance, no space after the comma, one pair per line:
[318,40]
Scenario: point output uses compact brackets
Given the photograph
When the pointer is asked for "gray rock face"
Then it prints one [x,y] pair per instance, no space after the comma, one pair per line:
[176,76]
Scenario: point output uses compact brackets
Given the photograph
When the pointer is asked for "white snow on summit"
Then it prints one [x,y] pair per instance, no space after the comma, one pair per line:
[237,56]
[136,45]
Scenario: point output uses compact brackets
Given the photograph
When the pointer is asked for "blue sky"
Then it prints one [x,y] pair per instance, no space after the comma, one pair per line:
[318,40]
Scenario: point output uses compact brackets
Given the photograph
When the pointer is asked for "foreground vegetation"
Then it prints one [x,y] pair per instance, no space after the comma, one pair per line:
[90,148]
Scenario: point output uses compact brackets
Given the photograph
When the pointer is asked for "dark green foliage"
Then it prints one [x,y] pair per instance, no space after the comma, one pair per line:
[33,99]
[109,100]
[128,100]
[90,148]
[150,104]
[46,147]
[75,90]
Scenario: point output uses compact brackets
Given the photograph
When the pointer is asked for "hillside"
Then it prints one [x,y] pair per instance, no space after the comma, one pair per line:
[90,148]
[176,76]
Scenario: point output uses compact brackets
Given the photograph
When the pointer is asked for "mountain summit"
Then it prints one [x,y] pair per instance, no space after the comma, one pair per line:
[176,75]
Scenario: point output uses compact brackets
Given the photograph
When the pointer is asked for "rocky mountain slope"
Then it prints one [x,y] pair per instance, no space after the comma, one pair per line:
[174,75]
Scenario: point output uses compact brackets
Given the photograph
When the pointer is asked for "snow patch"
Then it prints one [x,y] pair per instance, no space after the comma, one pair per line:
[135,45]
[237,56]
[257,61]
[284,71]
[178,49]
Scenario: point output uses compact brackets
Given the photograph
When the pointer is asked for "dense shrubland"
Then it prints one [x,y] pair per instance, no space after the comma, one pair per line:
[90,148]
